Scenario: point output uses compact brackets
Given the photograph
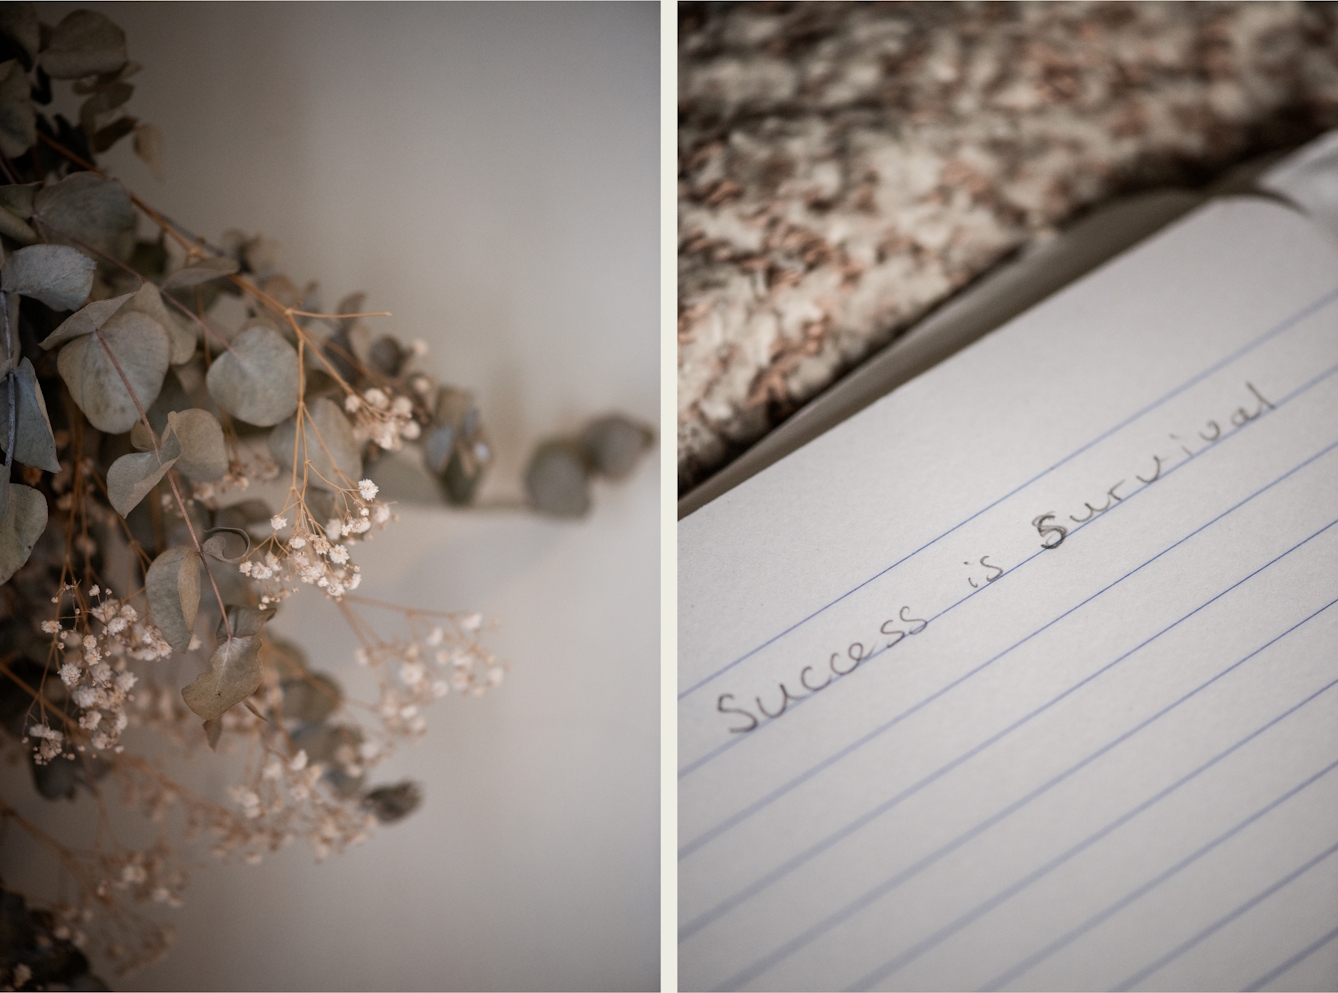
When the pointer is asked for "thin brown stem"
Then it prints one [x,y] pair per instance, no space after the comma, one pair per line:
[181,504]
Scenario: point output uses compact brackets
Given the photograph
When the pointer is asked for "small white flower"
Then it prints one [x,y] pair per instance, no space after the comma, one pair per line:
[297,541]
[412,673]
[410,431]
[278,522]
[402,406]
[352,403]
[69,673]
[334,528]
[338,554]
[51,627]
[368,489]
[299,761]
[434,637]
[376,398]
[472,623]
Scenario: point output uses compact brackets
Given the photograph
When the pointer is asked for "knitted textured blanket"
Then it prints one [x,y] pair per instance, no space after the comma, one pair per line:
[843,168]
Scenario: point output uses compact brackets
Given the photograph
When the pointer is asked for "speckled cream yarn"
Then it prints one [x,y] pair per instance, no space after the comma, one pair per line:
[845,167]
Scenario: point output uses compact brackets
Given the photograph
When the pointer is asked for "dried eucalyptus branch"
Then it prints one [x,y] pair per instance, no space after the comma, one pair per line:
[134,480]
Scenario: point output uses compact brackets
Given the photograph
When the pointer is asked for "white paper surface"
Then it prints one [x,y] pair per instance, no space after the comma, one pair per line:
[1115,765]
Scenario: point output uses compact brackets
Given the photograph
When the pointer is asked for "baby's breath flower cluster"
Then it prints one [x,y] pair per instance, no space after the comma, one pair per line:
[417,671]
[314,553]
[384,418]
[94,670]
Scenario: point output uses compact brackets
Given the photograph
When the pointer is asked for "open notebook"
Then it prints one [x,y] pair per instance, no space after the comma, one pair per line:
[1026,676]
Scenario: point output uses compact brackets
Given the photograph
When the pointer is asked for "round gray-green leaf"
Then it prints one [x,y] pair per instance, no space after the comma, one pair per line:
[173,588]
[13,227]
[132,476]
[614,444]
[256,379]
[234,674]
[23,524]
[95,210]
[394,803]
[82,44]
[201,272]
[328,443]
[148,301]
[57,275]
[557,481]
[34,443]
[311,698]
[19,198]
[84,321]
[141,348]
[18,120]
[204,454]
[228,544]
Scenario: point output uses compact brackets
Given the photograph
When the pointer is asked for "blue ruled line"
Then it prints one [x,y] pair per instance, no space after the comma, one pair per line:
[738,739]
[888,885]
[1285,325]
[1222,921]
[938,937]
[1296,959]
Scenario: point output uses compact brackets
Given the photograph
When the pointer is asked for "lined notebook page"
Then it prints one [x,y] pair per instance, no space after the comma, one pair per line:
[1026,677]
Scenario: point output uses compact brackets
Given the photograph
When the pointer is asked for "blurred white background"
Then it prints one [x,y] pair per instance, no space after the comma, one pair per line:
[489,174]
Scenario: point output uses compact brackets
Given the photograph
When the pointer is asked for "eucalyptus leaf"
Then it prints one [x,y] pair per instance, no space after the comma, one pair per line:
[23,524]
[256,379]
[438,444]
[394,803]
[141,348]
[228,544]
[327,443]
[132,476]
[234,674]
[84,321]
[19,22]
[149,147]
[106,137]
[12,227]
[613,445]
[556,480]
[82,44]
[147,300]
[244,620]
[172,585]
[95,210]
[204,455]
[311,698]
[57,275]
[171,397]
[34,443]
[103,101]
[216,267]
[18,198]
[18,120]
